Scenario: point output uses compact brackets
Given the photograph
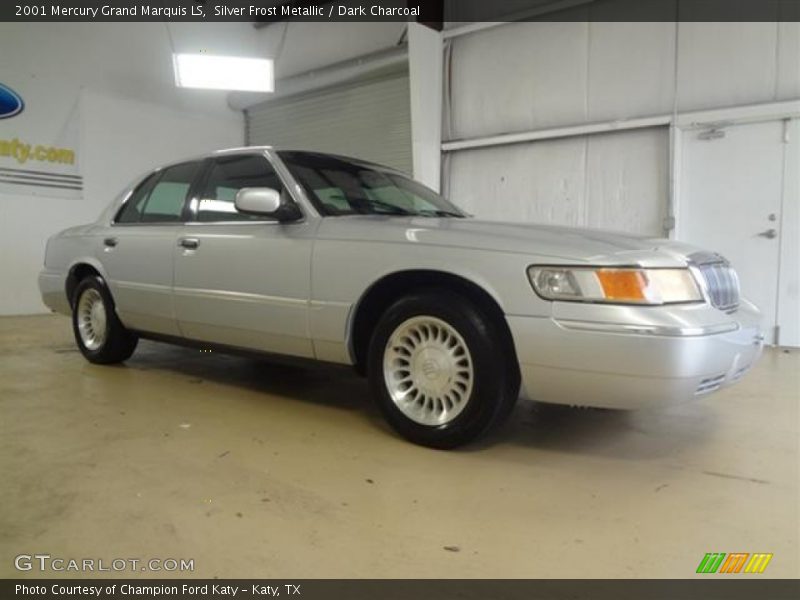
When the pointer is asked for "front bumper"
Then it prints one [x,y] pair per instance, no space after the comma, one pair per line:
[634,357]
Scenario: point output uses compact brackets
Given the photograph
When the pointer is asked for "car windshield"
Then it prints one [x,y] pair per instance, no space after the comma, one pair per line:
[341,186]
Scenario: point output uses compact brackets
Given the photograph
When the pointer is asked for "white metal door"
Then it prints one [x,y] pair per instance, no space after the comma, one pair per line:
[731,186]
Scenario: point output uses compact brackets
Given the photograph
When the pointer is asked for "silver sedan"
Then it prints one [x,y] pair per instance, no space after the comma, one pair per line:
[332,259]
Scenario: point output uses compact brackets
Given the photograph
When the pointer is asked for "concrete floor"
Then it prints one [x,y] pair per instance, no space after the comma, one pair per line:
[259,470]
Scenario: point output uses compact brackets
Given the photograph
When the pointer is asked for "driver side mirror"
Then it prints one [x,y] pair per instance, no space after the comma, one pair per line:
[266,202]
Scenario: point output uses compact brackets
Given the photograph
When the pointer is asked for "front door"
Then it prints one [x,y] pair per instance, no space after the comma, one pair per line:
[731,189]
[243,280]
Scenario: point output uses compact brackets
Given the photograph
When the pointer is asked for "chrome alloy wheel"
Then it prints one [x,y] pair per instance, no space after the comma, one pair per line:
[428,370]
[91,317]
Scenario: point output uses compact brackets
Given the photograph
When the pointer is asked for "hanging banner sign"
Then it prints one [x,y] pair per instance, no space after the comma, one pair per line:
[38,141]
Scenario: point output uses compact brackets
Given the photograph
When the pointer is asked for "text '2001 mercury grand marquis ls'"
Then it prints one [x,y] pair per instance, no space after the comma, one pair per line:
[338,260]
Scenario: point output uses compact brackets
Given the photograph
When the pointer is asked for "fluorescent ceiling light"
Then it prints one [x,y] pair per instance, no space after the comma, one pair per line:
[224,72]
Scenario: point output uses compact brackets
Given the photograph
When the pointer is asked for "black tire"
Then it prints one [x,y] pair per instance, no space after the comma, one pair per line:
[117,343]
[495,377]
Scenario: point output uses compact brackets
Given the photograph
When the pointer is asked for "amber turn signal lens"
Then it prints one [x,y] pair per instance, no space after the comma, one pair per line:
[615,285]
[625,285]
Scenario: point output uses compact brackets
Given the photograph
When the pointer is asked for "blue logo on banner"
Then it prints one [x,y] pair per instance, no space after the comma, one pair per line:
[11,103]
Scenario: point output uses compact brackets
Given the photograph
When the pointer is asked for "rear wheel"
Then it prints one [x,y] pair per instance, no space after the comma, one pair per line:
[438,371]
[100,335]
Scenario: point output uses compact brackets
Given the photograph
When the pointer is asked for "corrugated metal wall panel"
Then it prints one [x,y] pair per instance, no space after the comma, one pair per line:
[528,76]
[518,77]
[369,119]
[616,181]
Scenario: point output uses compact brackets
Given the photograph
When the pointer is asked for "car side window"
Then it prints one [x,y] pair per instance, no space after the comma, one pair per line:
[165,201]
[132,211]
[226,178]
[160,197]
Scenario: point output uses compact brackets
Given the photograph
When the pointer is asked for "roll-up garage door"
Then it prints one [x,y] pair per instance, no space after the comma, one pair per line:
[368,119]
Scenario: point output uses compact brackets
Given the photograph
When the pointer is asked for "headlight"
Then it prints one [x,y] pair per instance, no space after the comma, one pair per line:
[615,285]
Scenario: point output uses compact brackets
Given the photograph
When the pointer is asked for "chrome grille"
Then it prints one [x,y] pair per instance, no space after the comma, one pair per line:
[719,280]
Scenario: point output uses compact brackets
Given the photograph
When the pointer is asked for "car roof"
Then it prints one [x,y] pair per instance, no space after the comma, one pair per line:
[241,149]
[342,157]
[263,148]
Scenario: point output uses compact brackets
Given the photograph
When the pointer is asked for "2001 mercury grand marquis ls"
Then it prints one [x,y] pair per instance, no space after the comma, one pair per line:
[339,260]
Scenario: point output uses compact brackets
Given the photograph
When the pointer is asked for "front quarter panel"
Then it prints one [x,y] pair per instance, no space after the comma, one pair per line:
[345,269]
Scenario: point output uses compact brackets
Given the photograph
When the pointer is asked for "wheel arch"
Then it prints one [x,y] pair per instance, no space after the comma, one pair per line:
[79,270]
[382,293]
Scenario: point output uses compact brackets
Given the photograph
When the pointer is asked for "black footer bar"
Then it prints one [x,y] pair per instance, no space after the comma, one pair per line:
[716,588]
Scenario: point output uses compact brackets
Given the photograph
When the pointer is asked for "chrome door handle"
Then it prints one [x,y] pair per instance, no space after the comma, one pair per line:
[110,242]
[770,234]
[189,243]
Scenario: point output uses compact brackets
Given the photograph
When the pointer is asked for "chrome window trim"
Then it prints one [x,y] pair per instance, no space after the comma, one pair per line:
[285,178]
[127,196]
[226,223]
[295,189]
[153,224]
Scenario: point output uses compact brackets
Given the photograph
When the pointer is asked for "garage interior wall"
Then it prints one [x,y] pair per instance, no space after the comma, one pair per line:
[343,119]
[129,115]
[558,79]
[522,77]
[614,181]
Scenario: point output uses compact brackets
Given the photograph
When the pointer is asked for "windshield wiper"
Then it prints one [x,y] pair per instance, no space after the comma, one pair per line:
[442,213]
[384,208]
[390,209]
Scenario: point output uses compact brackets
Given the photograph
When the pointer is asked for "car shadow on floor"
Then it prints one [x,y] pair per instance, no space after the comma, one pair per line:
[329,385]
[642,435]
[638,434]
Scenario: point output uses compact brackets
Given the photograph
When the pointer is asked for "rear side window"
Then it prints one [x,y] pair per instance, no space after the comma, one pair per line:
[160,198]
[227,177]
[167,197]
[132,211]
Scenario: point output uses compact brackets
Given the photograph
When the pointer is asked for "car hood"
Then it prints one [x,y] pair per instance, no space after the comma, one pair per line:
[543,241]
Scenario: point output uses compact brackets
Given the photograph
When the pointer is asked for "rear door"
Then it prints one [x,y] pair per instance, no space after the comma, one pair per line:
[243,280]
[138,249]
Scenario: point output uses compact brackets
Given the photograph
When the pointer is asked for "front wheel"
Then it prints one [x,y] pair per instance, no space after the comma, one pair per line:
[100,335]
[438,371]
